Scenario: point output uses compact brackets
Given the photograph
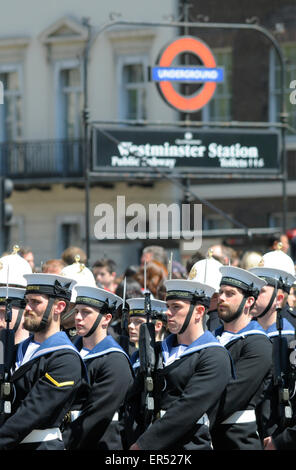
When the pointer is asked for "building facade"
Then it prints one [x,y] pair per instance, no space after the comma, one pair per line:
[48,80]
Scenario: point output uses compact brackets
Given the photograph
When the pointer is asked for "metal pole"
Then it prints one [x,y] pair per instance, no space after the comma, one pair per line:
[86,144]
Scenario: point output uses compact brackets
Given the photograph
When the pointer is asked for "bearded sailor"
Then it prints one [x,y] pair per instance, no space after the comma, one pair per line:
[96,425]
[251,350]
[196,370]
[48,372]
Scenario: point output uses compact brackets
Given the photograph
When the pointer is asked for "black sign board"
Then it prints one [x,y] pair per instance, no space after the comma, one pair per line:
[181,151]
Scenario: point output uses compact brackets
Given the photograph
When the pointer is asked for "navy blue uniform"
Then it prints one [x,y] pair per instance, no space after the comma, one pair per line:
[251,351]
[45,388]
[191,384]
[271,416]
[110,377]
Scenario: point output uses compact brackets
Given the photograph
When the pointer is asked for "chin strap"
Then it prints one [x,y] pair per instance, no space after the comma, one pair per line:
[44,320]
[95,325]
[239,310]
[197,297]
[18,319]
[268,307]
[107,308]
[249,291]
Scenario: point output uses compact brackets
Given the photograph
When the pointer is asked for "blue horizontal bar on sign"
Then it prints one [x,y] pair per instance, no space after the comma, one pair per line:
[187,74]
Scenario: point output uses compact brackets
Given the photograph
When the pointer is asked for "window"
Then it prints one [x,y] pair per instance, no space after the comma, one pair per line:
[276,220]
[69,106]
[289,52]
[133,83]
[70,232]
[216,222]
[219,107]
[69,100]
[11,111]
[69,235]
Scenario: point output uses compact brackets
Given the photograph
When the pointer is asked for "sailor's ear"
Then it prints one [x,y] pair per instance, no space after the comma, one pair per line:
[200,310]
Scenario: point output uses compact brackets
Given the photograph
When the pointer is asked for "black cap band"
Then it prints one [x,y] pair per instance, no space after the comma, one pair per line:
[249,290]
[57,290]
[13,301]
[192,297]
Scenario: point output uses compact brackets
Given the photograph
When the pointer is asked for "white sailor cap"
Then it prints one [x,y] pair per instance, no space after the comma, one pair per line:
[184,289]
[159,305]
[279,260]
[12,270]
[159,309]
[81,274]
[276,266]
[14,294]
[137,307]
[98,298]
[207,271]
[52,285]
[245,280]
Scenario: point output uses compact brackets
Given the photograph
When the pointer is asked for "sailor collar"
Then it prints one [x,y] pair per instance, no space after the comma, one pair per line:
[253,328]
[106,346]
[206,340]
[135,359]
[288,329]
[55,342]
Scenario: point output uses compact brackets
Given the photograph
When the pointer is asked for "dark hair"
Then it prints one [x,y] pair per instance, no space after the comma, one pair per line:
[156,272]
[24,250]
[133,289]
[105,263]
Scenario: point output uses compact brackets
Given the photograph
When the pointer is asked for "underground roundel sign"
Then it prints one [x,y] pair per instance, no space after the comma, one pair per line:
[165,74]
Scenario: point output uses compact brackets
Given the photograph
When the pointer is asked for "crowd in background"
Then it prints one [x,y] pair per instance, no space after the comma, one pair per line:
[158,267]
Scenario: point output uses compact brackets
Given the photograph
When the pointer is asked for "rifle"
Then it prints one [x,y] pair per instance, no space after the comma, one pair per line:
[280,351]
[147,358]
[6,361]
[124,337]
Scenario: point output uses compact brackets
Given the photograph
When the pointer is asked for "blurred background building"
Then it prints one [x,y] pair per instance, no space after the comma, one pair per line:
[41,120]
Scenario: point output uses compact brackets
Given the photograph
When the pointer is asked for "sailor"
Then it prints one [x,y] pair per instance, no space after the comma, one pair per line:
[138,316]
[278,273]
[208,272]
[13,298]
[96,424]
[251,350]
[279,259]
[134,420]
[12,293]
[83,276]
[48,372]
[196,370]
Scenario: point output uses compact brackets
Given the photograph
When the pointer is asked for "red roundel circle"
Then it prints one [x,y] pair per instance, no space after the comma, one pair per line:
[199,99]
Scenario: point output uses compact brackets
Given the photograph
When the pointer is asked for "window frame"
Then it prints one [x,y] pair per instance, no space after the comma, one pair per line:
[59,66]
[205,112]
[8,68]
[123,61]
[68,219]
[274,91]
